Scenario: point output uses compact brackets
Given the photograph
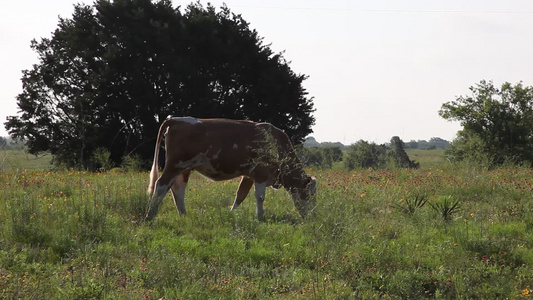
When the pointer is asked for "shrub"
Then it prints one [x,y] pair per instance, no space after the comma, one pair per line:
[366,155]
[132,163]
[370,155]
[322,157]
[412,203]
[446,206]
[102,159]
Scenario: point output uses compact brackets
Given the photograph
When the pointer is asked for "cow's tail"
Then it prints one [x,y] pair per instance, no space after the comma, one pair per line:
[154,172]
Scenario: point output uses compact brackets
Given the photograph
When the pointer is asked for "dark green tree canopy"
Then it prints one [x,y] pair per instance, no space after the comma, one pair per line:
[497,123]
[112,72]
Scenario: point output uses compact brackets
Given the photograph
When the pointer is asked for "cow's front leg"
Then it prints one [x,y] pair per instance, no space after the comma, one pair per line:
[242,192]
[178,191]
[260,189]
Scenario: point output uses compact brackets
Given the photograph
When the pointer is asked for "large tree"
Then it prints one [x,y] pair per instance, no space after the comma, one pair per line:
[497,124]
[113,71]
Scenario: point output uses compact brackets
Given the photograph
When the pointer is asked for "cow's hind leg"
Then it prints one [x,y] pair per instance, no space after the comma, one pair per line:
[242,192]
[162,186]
[260,189]
[178,191]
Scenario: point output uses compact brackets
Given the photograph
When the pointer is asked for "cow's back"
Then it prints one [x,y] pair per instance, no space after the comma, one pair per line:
[225,147]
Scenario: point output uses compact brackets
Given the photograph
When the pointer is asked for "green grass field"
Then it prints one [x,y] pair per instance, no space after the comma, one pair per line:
[13,160]
[375,234]
[428,158]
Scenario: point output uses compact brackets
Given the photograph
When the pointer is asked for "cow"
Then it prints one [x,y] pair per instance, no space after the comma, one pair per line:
[223,149]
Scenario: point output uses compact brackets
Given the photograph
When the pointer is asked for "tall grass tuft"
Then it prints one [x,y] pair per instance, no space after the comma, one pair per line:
[446,206]
[412,203]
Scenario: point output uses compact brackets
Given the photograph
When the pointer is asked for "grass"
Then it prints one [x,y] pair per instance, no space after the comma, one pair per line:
[427,158]
[77,235]
[13,160]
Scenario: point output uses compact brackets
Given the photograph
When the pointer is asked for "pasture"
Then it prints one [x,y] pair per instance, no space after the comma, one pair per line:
[375,234]
[12,160]
[428,158]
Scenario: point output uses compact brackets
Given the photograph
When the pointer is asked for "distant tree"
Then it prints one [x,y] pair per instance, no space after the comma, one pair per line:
[333,145]
[365,155]
[438,143]
[497,123]
[398,154]
[11,144]
[412,144]
[311,142]
[370,155]
[322,157]
[333,153]
[310,156]
[423,144]
[112,72]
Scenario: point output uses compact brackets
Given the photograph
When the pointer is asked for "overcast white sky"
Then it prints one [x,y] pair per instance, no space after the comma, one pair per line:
[377,68]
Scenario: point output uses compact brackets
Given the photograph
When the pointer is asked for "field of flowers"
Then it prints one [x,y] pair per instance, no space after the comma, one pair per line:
[403,234]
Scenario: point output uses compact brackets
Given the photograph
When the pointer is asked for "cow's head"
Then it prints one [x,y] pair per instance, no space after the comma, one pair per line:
[304,195]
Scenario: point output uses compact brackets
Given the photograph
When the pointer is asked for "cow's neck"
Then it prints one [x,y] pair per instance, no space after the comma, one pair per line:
[295,178]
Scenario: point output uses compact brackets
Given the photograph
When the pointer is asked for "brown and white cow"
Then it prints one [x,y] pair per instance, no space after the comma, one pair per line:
[223,149]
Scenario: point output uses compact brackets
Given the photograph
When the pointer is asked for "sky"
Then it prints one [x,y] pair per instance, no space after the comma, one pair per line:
[376,69]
